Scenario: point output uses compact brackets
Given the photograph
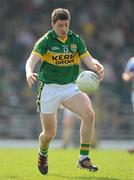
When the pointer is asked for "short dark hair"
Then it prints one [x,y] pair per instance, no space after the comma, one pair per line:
[60,14]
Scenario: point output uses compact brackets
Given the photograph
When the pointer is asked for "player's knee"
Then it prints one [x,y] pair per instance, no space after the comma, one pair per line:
[89,115]
[47,136]
[50,136]
[42,137]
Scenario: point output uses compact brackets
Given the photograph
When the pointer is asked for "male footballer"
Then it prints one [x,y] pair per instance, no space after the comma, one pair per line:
[60,51]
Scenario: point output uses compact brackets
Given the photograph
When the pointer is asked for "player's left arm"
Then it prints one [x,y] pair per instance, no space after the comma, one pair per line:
[88,60]
[94,65]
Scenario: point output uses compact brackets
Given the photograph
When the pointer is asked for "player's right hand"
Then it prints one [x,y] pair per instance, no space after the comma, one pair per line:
[31,78]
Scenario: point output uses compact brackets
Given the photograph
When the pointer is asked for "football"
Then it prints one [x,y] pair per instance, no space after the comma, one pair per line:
[88,82]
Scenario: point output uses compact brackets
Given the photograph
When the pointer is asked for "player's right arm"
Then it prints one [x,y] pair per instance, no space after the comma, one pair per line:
[39,50]
[30,66]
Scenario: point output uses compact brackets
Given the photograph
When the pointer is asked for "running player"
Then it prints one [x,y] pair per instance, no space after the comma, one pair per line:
[60,51]
[127,76]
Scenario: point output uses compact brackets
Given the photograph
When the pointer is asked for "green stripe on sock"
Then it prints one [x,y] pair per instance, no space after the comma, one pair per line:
[84,149]
[83,152]
[44,151]
[85,145]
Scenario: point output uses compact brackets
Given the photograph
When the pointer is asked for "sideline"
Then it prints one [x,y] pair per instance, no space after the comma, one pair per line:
[103,144]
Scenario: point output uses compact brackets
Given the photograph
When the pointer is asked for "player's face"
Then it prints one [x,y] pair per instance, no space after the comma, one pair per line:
[61,28]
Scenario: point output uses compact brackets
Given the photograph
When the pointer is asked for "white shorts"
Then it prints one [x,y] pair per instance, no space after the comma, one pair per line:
[53,95]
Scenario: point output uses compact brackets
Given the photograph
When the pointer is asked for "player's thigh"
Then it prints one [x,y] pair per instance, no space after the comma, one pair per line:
[49,123]
[49,99]
[79,104]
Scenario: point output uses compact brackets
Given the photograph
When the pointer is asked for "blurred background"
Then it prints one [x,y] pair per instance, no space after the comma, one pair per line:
[107,26]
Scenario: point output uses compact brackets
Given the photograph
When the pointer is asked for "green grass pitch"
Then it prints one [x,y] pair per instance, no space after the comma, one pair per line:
[20,164]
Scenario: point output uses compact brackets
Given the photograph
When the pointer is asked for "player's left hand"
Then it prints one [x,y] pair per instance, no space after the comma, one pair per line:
[99,69]
[94,65]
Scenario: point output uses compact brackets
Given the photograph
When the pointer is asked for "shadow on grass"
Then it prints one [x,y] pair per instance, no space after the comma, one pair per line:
[84,178]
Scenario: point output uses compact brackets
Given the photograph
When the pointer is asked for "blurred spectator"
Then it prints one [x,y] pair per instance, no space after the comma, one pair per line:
[128,76]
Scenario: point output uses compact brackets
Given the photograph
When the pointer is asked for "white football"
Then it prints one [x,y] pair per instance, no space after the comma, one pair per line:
[88,82]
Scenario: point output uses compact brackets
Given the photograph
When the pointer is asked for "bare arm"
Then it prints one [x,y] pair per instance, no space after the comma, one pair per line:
[94,65]
[30,66]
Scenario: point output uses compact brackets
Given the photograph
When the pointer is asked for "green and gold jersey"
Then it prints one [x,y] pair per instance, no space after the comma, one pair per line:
[60,59]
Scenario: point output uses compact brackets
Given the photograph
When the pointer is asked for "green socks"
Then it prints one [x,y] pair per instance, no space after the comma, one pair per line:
[84,151]
[43,152]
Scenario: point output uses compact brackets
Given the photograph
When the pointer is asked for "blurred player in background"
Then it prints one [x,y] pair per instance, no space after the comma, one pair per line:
[68,129]
[60,50]
[128,76]
[69,120]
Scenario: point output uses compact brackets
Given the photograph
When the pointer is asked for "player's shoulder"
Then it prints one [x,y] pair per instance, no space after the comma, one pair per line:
[130,64]
[43,39]
[46,36]
[131,59]
[76,37]
[72,33]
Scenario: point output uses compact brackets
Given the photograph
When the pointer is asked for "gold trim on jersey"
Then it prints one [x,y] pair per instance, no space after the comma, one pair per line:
[63,40]
[61,59]
[38,54]
[85,55]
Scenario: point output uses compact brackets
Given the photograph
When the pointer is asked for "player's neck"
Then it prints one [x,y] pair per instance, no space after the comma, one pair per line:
[63,39]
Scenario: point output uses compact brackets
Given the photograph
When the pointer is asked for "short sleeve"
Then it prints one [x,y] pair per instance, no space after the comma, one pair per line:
[82,49]
[40,47]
